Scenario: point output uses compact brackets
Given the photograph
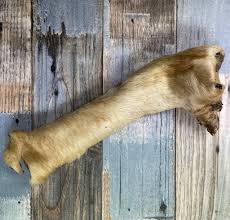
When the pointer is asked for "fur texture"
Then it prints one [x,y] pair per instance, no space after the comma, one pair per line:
[186,80]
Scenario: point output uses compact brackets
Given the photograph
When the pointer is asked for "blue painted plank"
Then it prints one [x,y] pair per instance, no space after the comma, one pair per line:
[15,189]
[159,164]
[112,168]
[222,32]
[140,159]
[131,170]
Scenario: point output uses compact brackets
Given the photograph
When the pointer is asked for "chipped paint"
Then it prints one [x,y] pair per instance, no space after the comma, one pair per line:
[61,61]
[53,42]
[50,48]
[54,13]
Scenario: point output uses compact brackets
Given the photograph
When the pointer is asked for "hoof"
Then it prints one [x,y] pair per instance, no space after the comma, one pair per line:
[217,106]
[220,58]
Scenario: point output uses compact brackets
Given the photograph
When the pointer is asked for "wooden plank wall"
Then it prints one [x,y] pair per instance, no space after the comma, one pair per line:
[138,161]
[67,74]
[196,163]
[222,202]
[15,100]
[161,167]
[200,157]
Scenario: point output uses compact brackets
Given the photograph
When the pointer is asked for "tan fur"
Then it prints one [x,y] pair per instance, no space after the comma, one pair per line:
[186,80]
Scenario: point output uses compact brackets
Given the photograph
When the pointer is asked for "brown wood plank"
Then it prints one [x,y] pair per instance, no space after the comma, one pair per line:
[15,55]
[138,161]
[67,74]
[15,101]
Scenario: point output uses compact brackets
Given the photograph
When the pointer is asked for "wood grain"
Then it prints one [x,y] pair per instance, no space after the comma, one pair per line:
[15,189]
[138,170]
[67,74]
[139,160]
[222,200]
[15,56]
[222,31]
[15,101]
[196,155]
[222,203]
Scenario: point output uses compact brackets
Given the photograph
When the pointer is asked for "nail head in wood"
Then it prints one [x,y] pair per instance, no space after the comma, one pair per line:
[163,207]
[217,149]
[56,92]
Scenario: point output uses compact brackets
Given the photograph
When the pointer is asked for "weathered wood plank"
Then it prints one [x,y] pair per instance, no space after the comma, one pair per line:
[67,74]
[78,16]
[222,205]
[15,55]
[138,161]
[223,31]
[15,101]
[196,154]
[222,202]
[15,189]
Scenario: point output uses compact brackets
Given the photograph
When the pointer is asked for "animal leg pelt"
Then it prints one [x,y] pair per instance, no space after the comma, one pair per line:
[188,80]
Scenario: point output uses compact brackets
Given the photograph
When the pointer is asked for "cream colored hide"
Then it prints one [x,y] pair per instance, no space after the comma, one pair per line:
[187,80]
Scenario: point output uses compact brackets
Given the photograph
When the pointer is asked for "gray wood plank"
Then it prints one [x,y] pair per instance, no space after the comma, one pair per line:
[78,16]
[67,74]
[222,203]
[223,31]
[15,101]
[197,158]
[138,161]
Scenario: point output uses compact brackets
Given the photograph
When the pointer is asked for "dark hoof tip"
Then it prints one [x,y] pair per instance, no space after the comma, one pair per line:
[212,130]
[219,86]
[220,58]
[217,106]
[218,54]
